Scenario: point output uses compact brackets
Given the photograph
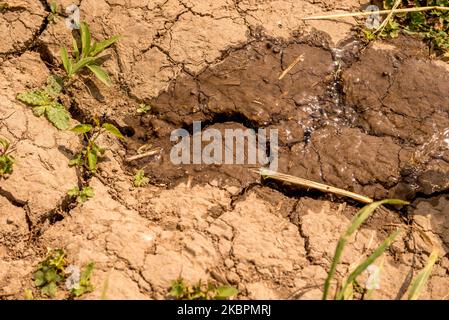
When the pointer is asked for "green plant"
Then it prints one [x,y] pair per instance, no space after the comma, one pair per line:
[432,23]
[421,279]
[87,56]
[88,157]
[81,195]
[351,281]
[143,108]
[50,272]
[83,285]
[53,12]
[182,291]
[6,160]
[44,102]
[140,180]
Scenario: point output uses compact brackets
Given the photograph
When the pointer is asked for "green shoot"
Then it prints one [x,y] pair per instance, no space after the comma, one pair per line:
[44,102]
[83,285]
[6,160]
[87,56]
[140,180]
[431,24]
[419,282]
[358,220]
[81,195]
[365,264]
[50,272]
[88,157]
[143,108]
[53,12]
[182,291]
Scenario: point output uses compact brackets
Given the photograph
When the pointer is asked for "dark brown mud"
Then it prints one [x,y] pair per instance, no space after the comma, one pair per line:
[371,121]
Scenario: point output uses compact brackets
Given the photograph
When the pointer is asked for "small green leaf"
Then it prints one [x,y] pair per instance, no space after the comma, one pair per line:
[178,289]
[82,63]
[50,289]
[113,130]
[100,73]
[6,164]
[54,7]
[58,116]
[91,160]
[34,98]
[76,161]
[81,128]
[74,192]
[39,111]
[140,180]
[54,86]
[85,194]
[66,61]
[225,292]
[76,51]
[98,149]
[39,278]
[102,45]
[143,108]
[85,40]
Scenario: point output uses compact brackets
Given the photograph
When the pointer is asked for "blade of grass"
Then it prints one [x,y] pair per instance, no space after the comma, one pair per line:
[85,40]
[102,45]
[66,62]
[370,260]
[421,279]
[100,73]
[361,216]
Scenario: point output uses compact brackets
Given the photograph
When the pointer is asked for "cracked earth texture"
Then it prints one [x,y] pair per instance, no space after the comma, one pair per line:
[370,119]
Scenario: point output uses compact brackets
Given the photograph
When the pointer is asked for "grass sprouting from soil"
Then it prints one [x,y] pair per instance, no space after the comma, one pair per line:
[360,218]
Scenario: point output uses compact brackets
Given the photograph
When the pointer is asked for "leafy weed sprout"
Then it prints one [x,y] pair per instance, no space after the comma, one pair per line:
[6,160]
[180,290]
[82,195]
[87,56]
[431,25]
[140,180]
[143,108]
[53,12]
[88,157]
[50,272]
[44,101]
[53,271]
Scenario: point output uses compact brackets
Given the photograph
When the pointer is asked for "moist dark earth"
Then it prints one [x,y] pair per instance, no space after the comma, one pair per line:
[371,118]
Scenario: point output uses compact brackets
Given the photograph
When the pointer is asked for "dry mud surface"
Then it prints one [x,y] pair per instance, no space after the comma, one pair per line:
[371,119]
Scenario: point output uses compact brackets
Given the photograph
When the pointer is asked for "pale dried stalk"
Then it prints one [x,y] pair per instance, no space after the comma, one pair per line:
[312,184]
[144,155]
[390,15]
[368,13]
[291,66]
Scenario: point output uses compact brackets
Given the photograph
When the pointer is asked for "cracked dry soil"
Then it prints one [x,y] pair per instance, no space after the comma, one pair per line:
[371,119]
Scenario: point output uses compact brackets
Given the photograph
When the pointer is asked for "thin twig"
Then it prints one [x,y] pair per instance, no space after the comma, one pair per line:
[388,18]
[291,66]
[312,184]
[144,155]
[368,13]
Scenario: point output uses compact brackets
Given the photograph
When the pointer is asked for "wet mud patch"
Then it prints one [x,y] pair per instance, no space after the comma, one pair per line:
[247,90]
[372,121]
